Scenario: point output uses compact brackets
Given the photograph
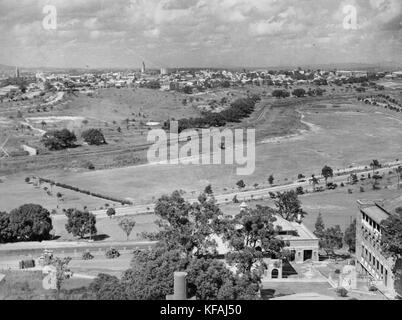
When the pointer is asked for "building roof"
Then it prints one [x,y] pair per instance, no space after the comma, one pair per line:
[376,213]
[303,233]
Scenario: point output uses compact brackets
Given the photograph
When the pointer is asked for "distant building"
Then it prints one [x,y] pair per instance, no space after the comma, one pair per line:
[397,74]
[143,69]
[164,71]
[17,72]
[371,261]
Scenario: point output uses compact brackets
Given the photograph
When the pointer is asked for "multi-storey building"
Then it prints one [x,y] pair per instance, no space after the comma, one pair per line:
[370,260]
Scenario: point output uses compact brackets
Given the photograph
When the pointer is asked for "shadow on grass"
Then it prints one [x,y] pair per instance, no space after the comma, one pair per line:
[98,237]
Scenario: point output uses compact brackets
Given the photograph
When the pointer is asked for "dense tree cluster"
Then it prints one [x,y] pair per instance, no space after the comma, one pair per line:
[29,222]
[299,93]
[187,241]
[59,139]
[238,110]
[93,137]
[391,243]
[331,238]
[280,94]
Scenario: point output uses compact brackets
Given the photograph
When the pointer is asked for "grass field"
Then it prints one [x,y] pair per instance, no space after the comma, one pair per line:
[342,137]
[27,285]
[342,133]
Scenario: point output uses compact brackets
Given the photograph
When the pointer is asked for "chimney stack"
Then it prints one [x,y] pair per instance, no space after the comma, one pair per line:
[180,287]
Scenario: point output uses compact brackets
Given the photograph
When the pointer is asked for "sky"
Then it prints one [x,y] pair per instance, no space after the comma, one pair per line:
[198,33]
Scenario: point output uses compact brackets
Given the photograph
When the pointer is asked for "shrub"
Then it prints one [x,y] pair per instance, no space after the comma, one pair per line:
[241,184]
[342,292]
[87,256]
[337,271]
[112,253]
[373,288]
[111,212]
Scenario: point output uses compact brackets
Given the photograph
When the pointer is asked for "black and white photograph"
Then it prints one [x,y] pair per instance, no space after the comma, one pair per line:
[201,150]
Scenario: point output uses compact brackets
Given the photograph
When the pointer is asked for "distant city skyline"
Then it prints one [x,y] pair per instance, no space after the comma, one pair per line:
[199,33]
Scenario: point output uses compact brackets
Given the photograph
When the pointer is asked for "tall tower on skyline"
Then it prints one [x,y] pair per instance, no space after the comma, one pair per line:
[17,72]
[143,67]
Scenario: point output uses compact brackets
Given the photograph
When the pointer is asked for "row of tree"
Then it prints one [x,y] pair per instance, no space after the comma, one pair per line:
[238,110]
[64,139]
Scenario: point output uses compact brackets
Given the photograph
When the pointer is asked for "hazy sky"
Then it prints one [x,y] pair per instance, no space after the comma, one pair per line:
[123,33]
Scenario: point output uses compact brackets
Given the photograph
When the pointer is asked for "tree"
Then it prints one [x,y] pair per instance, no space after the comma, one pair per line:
[289,206]
[111,212]
[327,172]
[299,93]
[151,277]
[208,190]
[59,140]
[397,270]
[210,279]
[280,94]
[314,181]
[332,239]
[319,227]
[127,225]
[5,231]
[350,236]
[391,235]
[375,164]
[185,244]
[241,184]
[398,175]
[80,223]
[62,271]
[185,226]
[107,287]
[271,179]
[29,222]
[151,274]
[252,236]
[188,90]
[93,137]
